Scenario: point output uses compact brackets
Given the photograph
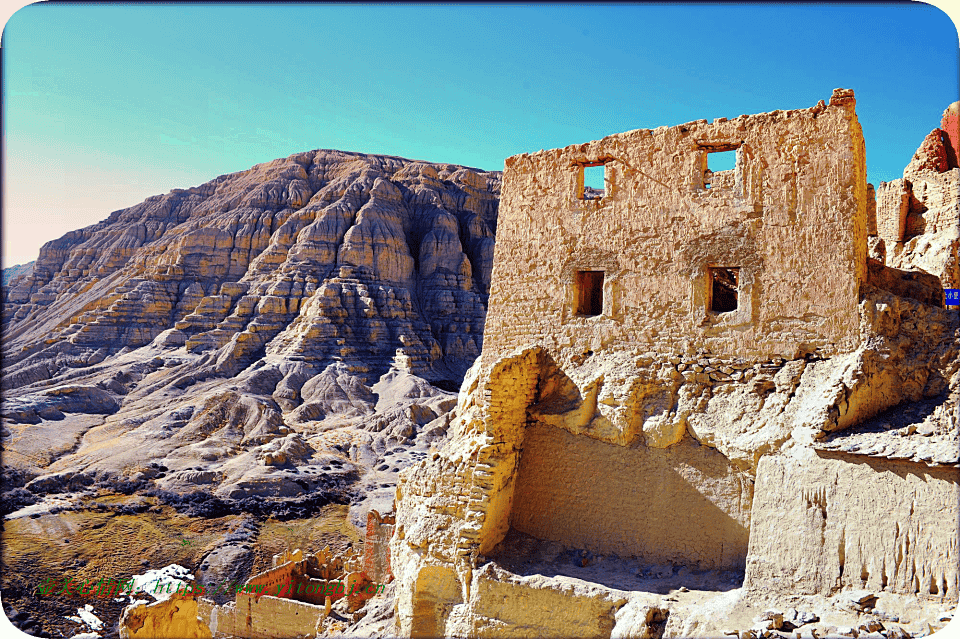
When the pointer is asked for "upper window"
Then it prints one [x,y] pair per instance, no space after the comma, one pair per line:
[593,181]
[719,159]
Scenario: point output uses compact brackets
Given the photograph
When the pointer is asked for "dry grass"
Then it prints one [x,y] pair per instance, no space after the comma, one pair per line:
[90,545]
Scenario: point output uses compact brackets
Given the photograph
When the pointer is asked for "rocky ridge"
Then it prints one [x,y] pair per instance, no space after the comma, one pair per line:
[15,271]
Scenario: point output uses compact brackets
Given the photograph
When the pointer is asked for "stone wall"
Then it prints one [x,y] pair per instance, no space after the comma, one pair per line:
[376,547]
[262,617]
[290,581]
[279,581]
[925,203]
[791,216]
[829,521]
[918,215]
[682,505]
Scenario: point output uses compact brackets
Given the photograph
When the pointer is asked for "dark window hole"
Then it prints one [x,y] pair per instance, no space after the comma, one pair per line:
[723,289]
[589,292]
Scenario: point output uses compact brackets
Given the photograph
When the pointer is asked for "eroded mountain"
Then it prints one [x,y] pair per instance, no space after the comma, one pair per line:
[270,333]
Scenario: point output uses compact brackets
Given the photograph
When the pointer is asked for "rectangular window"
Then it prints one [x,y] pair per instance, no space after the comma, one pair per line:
[718,160]
[589,292]
[723,283]
[722,160]
[594,178]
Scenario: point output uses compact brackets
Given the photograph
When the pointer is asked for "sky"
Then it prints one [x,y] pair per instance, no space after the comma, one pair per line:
[106,105]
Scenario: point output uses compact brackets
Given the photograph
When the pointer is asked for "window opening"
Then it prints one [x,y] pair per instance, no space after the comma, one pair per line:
[589,292]
[718,161]
[723,289]
[594,177]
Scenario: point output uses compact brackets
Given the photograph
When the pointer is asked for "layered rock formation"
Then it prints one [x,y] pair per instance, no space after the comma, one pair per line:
[216,330]
[13,272]
[698,383]
[324,255]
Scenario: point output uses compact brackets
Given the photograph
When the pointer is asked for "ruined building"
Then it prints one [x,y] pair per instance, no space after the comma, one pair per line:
[291,599]
[918,216]
[696,372]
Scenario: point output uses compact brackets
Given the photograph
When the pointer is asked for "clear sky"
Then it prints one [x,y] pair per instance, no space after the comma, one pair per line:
[105,105]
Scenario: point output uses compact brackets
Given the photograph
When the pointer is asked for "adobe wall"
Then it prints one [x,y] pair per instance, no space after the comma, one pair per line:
[926,202]
[791,216]
[275,579]
[918,215]
[376,547]
[681,505]
[868,523]
[289,581]
[259,617]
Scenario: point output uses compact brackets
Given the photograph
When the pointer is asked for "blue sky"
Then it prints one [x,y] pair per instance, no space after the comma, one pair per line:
[105,105]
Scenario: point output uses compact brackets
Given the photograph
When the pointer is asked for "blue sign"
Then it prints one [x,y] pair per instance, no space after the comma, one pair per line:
[952,295]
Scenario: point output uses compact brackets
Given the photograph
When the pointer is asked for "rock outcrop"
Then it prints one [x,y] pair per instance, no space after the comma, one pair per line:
[13,272]
[694,375]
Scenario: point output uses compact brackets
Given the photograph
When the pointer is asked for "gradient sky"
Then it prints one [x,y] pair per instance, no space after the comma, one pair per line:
[106,105]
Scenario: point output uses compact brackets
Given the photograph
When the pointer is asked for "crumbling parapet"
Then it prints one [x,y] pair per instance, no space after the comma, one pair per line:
[918,215]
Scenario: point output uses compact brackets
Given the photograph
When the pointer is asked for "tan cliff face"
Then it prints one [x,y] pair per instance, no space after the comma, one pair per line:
[696,375]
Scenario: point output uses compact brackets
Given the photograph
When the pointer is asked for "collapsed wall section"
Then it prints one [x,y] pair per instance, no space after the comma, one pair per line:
[918,215]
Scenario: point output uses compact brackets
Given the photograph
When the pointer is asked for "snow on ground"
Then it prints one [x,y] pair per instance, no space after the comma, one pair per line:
[85,616]
[162,583]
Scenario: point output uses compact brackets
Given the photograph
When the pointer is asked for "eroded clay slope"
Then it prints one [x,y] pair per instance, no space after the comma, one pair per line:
[325,255]
[203,339]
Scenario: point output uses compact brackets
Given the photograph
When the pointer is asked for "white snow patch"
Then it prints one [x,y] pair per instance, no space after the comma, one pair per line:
[163,583]
[86,617]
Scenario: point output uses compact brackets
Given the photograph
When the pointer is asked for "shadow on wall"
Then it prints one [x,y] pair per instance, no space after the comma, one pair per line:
[684,505]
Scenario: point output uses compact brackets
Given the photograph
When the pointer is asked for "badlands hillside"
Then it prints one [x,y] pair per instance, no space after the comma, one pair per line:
[13,272]
[274,344]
